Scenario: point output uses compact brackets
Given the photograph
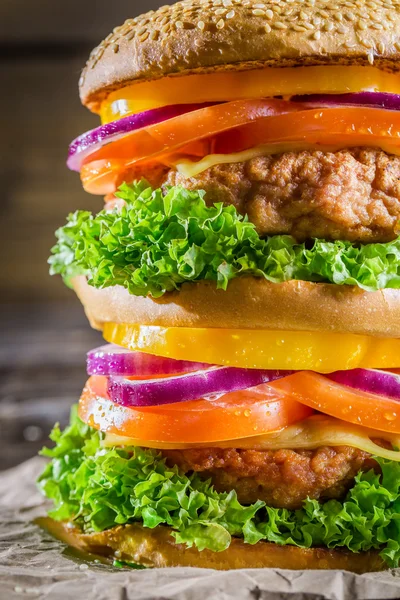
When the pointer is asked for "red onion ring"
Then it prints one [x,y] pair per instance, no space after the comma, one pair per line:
[378,99]
[92,140]
[374,381]
[190,386]
[114,360]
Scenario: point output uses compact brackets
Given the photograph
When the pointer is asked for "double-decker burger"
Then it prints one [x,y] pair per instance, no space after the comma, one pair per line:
[245,272]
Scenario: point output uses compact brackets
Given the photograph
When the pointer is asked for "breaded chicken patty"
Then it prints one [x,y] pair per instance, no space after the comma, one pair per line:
[351,194]
[282,478]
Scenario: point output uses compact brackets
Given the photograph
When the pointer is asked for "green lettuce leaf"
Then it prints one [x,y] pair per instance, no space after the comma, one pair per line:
[98,488]
[160,240]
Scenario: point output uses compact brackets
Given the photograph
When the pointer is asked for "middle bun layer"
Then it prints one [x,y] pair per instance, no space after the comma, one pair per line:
[250,303]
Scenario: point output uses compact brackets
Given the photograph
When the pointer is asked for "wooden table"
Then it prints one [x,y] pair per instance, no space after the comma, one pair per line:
[42,372]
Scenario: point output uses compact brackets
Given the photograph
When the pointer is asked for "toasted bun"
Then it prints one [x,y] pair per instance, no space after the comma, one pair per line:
[202,36]
[250,303]
[157,548]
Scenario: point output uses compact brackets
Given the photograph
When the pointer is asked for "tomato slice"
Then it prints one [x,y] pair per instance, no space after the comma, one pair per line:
[355,126]
[353,406]
[259,349]
[233,416]
[254,83]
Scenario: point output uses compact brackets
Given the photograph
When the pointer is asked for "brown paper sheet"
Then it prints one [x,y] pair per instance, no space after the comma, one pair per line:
[34,565]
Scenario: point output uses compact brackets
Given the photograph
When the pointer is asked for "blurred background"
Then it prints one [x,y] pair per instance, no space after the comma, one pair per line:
[44,333]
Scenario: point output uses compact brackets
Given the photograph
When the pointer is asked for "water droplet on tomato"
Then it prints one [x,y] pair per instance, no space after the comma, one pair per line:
[390,416]
[247,412]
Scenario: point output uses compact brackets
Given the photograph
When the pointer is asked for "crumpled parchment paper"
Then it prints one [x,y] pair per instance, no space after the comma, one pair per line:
[34,565]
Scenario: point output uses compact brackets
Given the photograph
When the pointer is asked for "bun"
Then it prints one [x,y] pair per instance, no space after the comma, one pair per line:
[198,36]
[157,548]
[250,303]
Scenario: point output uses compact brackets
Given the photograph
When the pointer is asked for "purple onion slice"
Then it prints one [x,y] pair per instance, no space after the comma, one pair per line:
[211,382]
[374,381]
[371,99]
[114,360]
[92,140]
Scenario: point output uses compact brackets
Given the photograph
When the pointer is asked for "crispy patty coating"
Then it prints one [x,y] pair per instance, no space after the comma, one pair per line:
[282,478]
[351,194]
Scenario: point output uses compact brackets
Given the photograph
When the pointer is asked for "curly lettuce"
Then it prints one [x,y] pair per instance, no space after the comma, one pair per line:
[98,488]
[162,239]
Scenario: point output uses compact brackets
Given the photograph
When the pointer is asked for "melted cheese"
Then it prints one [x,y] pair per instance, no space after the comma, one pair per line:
[319,430]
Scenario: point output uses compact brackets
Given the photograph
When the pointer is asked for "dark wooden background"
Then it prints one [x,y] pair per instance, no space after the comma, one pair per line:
[43,332]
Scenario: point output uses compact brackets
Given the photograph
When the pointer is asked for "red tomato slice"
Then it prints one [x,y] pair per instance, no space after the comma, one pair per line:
[357,126]
[233,416]
[353,406]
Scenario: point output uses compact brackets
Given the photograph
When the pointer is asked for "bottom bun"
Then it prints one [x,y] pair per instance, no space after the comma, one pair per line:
[157,548]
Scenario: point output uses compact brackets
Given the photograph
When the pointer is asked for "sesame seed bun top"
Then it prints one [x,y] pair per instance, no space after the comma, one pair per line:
[196,36]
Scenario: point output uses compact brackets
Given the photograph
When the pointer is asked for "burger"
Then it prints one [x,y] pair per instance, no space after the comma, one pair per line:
[245,273]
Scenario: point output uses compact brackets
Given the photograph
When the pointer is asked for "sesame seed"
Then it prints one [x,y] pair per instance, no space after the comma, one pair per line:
[303,15]
[280,25]
[338,16]
[269,14]
[259,6]
[258,12]
[220,11]
[179,25]
[130,36]
[164,21]
[299,28]
[141,31]
[317,35]
[362,25]
[308,25]
[371,58]
[143,38]
[267,27]
[366,43]
[116,48]
[230,14]
[377,26]
[349,45]
[221,24]
[154,35]
[381,47]
[201,25]
[324,14]
[397,46]
[166,28]
[329,26]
